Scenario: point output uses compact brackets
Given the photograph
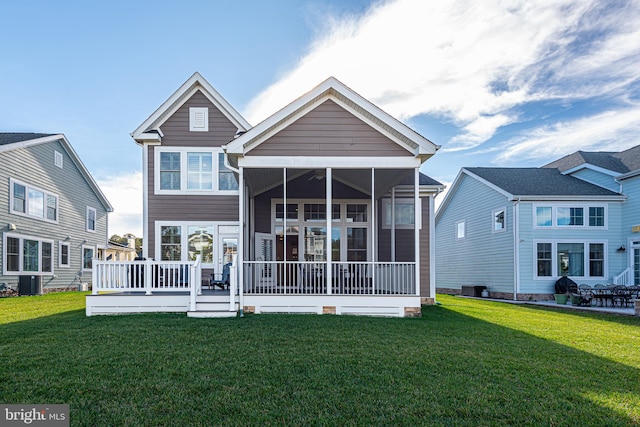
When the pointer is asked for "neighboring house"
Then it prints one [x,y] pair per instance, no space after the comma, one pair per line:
[53,216]
[118,251]
[517,230]
[316,204]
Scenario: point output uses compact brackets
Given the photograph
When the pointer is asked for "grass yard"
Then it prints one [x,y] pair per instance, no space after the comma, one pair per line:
[465,362]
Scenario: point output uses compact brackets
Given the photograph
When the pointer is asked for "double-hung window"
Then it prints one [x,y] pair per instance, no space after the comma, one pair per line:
[33,202]
[193,171]
[570,258]
[24,254]
[91,219]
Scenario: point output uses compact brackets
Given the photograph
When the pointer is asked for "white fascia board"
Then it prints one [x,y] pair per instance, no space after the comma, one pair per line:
[30,142]
[328,162]
[315,97]
[543,198]
[488,184]
[194,83]
[628,175]
[590,167]
[449,195]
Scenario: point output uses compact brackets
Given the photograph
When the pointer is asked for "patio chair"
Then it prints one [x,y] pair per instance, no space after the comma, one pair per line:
[221,280]
[586,295]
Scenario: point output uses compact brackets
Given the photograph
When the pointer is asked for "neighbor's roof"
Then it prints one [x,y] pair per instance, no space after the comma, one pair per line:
[619,162]
[15,140]
[538,182]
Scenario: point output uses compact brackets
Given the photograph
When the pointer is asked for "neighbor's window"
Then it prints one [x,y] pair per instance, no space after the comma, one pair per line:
[596,259]
[499,220]
[87,257]
[570,216]
[544,260]
[28,255]
[460,230]
[543,216]
[570,259]
[91,219]
[33,202]
[63,254]
[596,216]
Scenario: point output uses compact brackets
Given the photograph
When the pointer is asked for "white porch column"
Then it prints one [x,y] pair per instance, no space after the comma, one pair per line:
[416,226]
[145,200]
[432,249]
[241,237]
[329,273]
[284,228]
[374,229]
[393,224]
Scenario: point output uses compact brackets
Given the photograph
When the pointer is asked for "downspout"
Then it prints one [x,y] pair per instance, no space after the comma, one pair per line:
[516,248]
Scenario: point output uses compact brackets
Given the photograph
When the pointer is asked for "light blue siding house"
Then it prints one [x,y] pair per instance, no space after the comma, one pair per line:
[53,216]
[517,230]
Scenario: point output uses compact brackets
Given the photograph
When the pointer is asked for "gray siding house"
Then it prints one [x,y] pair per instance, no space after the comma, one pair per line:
[320,208]
[517,230]
[53,216]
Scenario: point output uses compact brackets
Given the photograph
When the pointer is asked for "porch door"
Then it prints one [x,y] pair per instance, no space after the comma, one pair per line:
[227,248]
[636,262]
[264,273]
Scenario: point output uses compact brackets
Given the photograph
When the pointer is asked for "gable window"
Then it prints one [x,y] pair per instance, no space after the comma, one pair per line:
[570,258]
[498,220]
[460,230]
[169,171]
[199,119]
[571,216]
[91,219]
[192,170]
[25,254]
[199,171]
[33,202]
[63,254]
[58,159]
[87,257]
[403,216]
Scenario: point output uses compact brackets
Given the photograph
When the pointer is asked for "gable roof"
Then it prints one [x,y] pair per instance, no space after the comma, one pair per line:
[333,89]
[13,141]
[149,130]
[618,162]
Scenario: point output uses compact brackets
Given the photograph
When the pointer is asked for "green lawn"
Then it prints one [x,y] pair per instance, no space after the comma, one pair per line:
[465,362]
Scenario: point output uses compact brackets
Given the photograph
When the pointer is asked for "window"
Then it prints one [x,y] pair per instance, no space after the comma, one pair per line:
[544,259]
[498,220]
[356,213]
[25,254]
[87,257]
[58,159]
[91,219]
[570,216]
[63,254]
[169,171]
[226,179]
[199,119]
[460,230]
[596,216]
[315,212]
[33,202]
[356,244]
[170,243]
[194,170]
[200,243]
[292,212]
[404,213]
[199,171]
[573,259]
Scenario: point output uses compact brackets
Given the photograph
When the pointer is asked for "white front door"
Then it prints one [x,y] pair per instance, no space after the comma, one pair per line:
[227,248]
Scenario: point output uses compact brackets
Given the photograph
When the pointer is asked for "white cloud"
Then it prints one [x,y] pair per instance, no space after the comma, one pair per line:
[473,63]
[608,131]
[124,192]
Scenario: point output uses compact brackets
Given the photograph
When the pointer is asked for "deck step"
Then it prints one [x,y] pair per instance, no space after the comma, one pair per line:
[209,314]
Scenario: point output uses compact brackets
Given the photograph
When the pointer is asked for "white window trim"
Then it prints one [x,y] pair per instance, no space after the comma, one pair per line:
[26,213]
[95,252]
[22,238]
[68,246]
[58,159]
[193,112]
[554,259]
[504,219]
[95,219]
[399,200]
[183,171]
[585,211]
[184,244]
[464,230]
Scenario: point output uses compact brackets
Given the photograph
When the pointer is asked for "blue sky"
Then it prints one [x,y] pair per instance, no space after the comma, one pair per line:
[495,83]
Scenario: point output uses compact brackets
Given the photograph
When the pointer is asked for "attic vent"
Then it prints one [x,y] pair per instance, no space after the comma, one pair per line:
[57,159]
[199,119]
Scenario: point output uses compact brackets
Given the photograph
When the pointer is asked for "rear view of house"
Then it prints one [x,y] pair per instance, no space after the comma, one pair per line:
[322,205]
[53,216]
[517,230]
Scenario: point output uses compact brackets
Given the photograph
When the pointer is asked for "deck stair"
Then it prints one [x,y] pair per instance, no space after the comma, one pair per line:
[213,306]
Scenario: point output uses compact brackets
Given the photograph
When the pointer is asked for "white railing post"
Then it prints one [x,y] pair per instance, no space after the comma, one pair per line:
[194,282]
[148,280]
[233,283]
[94,278]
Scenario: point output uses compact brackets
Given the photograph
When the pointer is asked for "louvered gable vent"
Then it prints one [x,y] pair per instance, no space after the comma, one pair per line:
[199,119]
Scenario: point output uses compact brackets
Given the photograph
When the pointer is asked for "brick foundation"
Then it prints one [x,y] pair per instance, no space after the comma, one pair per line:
[636,304]
[412,312]
[427,301]
[504,295]
[328,309]
[249,309]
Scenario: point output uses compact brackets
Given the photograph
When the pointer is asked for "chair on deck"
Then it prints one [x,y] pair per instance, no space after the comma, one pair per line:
[586,295]
[221,280]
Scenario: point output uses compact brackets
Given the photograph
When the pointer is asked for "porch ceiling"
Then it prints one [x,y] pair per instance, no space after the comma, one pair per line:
[261,180]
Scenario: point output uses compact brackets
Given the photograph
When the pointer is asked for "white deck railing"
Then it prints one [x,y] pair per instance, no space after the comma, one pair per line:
[347,278]
[148,276]
[623,278]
